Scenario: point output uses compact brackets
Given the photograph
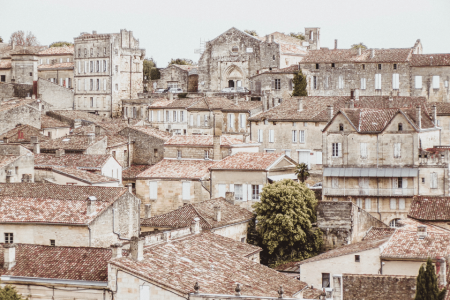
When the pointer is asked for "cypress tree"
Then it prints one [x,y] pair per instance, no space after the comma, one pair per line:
[427,286]
[299,85]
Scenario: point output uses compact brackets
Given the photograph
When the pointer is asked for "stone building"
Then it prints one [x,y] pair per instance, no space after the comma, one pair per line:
[442,119]
[20,111]
[233,57]
[215,215]
[24,69]
[25,135]
[178,76]
[70,215]
[74,176]
[107,69]
[373,157]
[82,144]
[430,210]
[56,65]
[16,164]
[278,82]
[53,128]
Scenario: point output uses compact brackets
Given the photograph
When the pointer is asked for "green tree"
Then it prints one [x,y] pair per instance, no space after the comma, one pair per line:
[155,74]
[360,45]
[9,293]
[181,61]
[251,32]
[299,85]
[302,172]
[60,44]
[148,65]
[298,35]
[427,286]
[1,39]
[285,216]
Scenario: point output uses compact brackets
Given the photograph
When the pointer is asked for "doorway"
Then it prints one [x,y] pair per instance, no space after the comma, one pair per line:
[231,83]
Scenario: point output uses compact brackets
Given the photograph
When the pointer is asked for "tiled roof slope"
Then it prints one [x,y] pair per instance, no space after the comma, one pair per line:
[25,131]
[88,177]
[425,208]
[64,65]
[133,171]
[71,142]
[115,140]
[5,64]
[177,103]
[243,106]
[6,105]
[201,140]
[428,60]
[153,132]
[7,159]
[72,263]
[376,233]
[442,108]
[49,122]
[212,261]
[183,216]
[81,161]
[172,168]
[211,103]
[78,114]
[69,50]
[351,56]
[247,161]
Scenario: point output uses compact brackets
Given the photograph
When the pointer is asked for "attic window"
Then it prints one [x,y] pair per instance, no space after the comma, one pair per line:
[400,127]
[363,66]
[357,258]
[379,66]
[395,66]
[341,127]
[235,49]
[332,65]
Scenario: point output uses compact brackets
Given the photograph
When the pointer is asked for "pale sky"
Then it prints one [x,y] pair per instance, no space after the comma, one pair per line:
[173,28]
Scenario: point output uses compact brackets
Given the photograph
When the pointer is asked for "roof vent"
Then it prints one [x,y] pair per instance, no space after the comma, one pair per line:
[422,231]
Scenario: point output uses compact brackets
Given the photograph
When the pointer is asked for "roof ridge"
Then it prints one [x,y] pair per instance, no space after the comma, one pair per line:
[200,215]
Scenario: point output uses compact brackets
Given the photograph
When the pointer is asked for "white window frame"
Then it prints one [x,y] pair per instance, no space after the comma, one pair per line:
[294,136]
[186,190]
[418,82]
[239,188]
[153,188]
[395,81]
[302,136]
[363,83]
[436,82]
[271,136]
[336,149]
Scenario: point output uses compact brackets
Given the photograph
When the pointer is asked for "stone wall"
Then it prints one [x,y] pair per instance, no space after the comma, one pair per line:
[58,291]
[23,114]
[265,82]
[173,74]
[98,148]
[60,97]
[436,95]
[236,232]
[192,83]
[147,149]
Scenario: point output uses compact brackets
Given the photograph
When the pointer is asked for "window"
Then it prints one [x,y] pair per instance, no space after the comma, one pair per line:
[186,190]
[446,83]
[317,66]
[174,116]
[418,82]
[31,73]
[155,152]
[363,150]
[341,82]
[435,82]
[243,239]
[395,66]
[181,116]
[379,66]
[325,280]
[91,84]
[206,154]
[199,123]
[85,52]
[3,78]
[98,84]
[363,83]
[301,134]
[332,65]
[235,49]
[397,183]
[273,57]
[326,83]
[178,154]
[400,127]
[393,204]
[205,120]
[260,135]
[378,81]
[433,181]
[277,84]
[92,101]
[116,52]
[242,121]
[397,150]
[341,127]
[336,149]
[167,116]
[291,84]
[401,204]
[335,182]
[357,258]
[394,223]
[395,81]
[256,191]
[52,243]
[191,120]
[91,66]
[363,66]
[222,189]
[98,66]
[294,136]
[9,238]
[238,192]
[271,136]
[315,85]
[359,202]
[368,204]
[231,121]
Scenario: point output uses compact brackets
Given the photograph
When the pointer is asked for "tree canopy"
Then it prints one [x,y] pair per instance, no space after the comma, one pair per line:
[20,38]
[181,61]
[285,216]
[427,285]
[298,35]
[299,84]
[60,44]
[302,172]
[1,39]
[360,45]
[9,293]
[251,32]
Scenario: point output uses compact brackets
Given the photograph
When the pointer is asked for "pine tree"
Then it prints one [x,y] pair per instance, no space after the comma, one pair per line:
[299,85]
[9,293]
[427,286]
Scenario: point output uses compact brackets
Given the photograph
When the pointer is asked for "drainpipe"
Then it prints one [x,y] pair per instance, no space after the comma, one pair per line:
[110,77]
[89,228]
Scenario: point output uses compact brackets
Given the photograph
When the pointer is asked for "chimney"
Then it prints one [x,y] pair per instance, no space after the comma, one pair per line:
[229,196]
[434,114]
[97,130]
[170,95]
[9,256]
[422,231]
[94,31]
[35,142]
[330,111]
[76,123]
[91,205]
[335,44]
[60,152]
[441,264]
[166,235]
[195,226]
[116,250]
[148,211]
[217,213]
[300,105]
[137,248]
[216,148]
[91,137]
[356,93]
[419,116]
[372,53]
[130,188]
[265,103]
[359,51]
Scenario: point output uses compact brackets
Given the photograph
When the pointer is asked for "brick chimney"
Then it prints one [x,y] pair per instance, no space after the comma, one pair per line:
[419,116]
[91,205]
[434,114]
[195,226]
[147,211]
[9,256]
[130,188]
[300,105]
[217,213]
[422,231]
[137,248]
[60,152]
[330,111]
[116,250]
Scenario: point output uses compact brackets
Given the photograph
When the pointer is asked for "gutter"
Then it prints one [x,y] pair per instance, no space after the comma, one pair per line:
[215,228]
[6,278]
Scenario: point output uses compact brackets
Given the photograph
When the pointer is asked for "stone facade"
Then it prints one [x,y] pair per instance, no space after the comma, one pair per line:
[17,164]
[108,68]
[175,76]
[24,66]
[25,113]
[277,82]
[60,97]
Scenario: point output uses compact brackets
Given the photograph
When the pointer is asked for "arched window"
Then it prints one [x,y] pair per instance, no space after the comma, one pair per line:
[235,49]
[394,223]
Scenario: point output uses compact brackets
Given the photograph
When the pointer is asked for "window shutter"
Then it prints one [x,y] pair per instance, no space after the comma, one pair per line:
[418,82]
[318,158]
[359,202]
[85,67]
[222,190]
[232,121]
[186,190]
[435,82]
[249,192]
[260,187]
[260,135]
[405,182]
[191,120]
[363,150]
[339,150]
[232,187]
[395,183]
[433,180]
[159,116]
[273,84]
[393,204]
[100,69]
[153,190]
[271,136]
[401,203]
[363,83]
[198,121]
[244,192]
[368,204]
[395,81]
[85,84]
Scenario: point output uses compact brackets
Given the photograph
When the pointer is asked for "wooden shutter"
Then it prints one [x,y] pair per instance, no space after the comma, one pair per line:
[435,82]
[418,82]
[232,121]
[318,158]
[249,192]
[339,149]
[191,117]
[222,190]
[405,182]
[244,192]
[395,183]
[401,204]
[232,187]
[153,190]
[393,204]
[395,81]
[260,135]
[186,190]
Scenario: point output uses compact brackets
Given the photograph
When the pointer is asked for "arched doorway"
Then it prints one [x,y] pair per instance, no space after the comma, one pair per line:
[231,83]
[233,76]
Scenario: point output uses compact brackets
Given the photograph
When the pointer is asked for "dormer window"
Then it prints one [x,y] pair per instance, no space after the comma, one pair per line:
[341,127]
[235,49]
[400,127]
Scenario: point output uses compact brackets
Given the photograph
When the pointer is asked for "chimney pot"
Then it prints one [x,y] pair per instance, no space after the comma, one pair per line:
[195,226]
[9,258]
[116,250]
[217,213]
[94,31]
[91,205]
[330,111]
[148,211]
[130,188]
[419,116]
[137,248]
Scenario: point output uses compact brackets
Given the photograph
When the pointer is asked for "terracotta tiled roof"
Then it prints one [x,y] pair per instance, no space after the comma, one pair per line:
[293,69]
[78,114]
[173,168]
[428,60]
[116,140]
[5,64]
[351,56]
[312,293]
[70,142]
[80,161]
[64,65]
[248,161]
[202,140]
[177,103]
[58,51]
[56,262]
[49,122]
[7,159]
[113,126]
[427,208]
[442,108]
[182,217]
[153,132]
[376,233]
[211,103]
[133,171]
[23,134]
[410,224]
[243,106]
[88,177]
[212,261]
[291,49]
[6,105]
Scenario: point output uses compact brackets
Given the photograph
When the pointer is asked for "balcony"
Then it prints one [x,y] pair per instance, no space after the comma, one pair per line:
[368,192]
